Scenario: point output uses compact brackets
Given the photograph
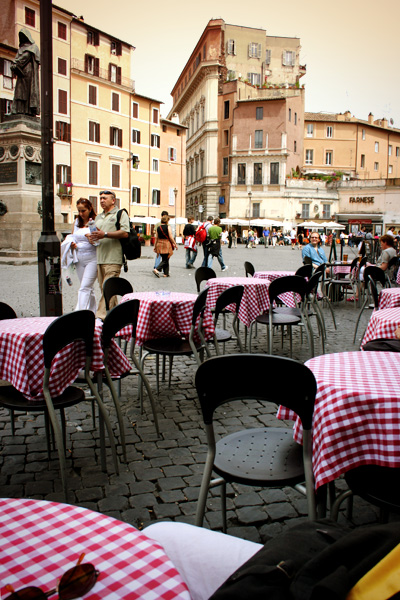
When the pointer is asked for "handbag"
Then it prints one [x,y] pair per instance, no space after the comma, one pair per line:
[190,243]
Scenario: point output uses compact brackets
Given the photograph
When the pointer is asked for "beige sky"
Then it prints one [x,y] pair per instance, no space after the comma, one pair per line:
[350,47]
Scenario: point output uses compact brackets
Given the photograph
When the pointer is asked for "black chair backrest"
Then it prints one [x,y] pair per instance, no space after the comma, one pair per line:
[393,262]
[249,383]
[312,283]
[199,306]
[362,249]
[374,273]
[305,271]
[232,295]
[321,268]
[249,269]
[121,315]
[68,328]
[307,260]
[374,292]
[291,283]
[354,264]
[6,312]
[203,274]
[115,286]
[363,261]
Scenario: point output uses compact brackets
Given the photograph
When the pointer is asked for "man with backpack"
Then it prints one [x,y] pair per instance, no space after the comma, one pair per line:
[109,251]
[201,237]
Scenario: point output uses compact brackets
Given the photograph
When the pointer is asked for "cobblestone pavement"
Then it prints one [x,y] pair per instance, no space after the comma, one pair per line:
[162,476]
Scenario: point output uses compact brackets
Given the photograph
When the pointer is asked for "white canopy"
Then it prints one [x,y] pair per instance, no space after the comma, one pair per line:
[146,220]
[310,225]
[265,223]
[332,225]
[178,221]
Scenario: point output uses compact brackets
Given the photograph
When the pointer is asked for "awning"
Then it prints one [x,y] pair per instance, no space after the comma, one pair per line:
[374,217]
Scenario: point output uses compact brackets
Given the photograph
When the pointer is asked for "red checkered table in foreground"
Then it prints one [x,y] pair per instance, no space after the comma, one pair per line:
[22,364]
[163,313]
[41,540]
[357,412]
[382,324]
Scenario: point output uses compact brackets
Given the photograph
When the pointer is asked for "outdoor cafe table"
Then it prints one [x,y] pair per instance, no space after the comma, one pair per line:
[41,540]
[163,313]
[22,364]
[382,324]
[286,298]
[255,298]
[356,414]
[389,298]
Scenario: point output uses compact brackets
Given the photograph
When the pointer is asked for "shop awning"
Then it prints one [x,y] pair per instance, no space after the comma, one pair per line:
[374,217]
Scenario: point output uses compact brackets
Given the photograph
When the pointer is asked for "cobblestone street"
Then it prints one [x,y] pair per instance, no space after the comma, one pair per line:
[162,476]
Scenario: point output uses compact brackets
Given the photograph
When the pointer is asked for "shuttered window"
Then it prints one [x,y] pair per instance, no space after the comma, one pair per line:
[93,172]
[115,137]
[93,95]
[63,131]
[172,154]
[94,132]
[135,199]
[254,50]
[135,110]
[115,101]
[62,102]
[63,174]
[62,31]
[62,66]
[115,176]
[30,16]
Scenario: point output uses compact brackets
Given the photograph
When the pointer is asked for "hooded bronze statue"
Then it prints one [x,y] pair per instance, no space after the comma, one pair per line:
[26,68]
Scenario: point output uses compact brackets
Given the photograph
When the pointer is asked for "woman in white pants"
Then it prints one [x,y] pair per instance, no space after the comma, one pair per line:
[86,267]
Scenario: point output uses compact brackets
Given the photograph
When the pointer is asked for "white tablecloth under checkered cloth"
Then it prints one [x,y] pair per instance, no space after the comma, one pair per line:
[342,269]
[389,298]
[398,277]
[22,364]
[356,414]
[255,298]
[162,314]
[382,324]
[41,540]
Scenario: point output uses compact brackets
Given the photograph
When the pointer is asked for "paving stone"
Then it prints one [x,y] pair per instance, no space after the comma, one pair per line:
[172,496]
[176,471]
[145,500]
[280,511]
[89,494]
[166,510]
[113,503]
[38,487]
[249,515]
[250,499]
[171,483]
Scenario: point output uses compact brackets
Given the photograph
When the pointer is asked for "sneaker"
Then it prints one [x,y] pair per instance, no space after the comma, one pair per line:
[225,268]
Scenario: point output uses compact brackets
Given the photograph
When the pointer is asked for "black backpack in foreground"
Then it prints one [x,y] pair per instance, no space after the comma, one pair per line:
[131,247]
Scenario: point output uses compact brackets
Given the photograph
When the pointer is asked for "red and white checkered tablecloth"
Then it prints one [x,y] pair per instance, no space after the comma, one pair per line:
[41,540]
[22,364]
[382,324]
[342,269]
[286,298]
[356,414]
[162,314]
[398,277]
[389,298]
[255,298]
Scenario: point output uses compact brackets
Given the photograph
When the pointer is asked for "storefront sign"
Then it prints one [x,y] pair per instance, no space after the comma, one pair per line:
[363,199]
[360,221]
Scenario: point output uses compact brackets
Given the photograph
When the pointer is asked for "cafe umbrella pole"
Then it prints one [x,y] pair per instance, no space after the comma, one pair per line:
[49,254]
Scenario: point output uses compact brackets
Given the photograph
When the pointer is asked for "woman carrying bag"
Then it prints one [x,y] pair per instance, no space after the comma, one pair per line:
[164,246]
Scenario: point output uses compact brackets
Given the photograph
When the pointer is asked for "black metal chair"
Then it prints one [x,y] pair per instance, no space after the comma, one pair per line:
[307,260]
[249,269]
[305,271]
[345,284]
[280,316]
[372,276]
[179,345]
[391,271]
[203,274]
[68,328]
[230,296]
[119,317]
[115,286]
[262,456]
[6,312]
[324,287]
[374,483]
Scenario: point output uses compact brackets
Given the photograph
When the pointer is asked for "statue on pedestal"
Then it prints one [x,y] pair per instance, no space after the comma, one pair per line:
[26,67]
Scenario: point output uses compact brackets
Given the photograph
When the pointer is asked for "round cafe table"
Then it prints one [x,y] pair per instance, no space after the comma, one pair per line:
[41,540]
[389,298]
[382,324]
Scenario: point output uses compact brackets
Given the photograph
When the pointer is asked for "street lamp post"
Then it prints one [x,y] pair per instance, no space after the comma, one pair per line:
[249,195]
[175,190]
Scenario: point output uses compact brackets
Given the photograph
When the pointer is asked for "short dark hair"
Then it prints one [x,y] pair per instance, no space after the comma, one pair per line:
[164,212]
[210,218]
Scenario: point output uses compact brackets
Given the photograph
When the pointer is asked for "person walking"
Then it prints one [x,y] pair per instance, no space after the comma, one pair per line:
[229,238]
[158,256]
[109,250]
[300,239]
[274,237]
[165,246]
[234,238]
[215,250]
[265,237]
[190,243]
[86,267]
[206,225]
[293,238]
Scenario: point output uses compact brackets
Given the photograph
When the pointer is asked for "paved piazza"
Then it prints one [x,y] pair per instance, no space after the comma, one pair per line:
[161,478]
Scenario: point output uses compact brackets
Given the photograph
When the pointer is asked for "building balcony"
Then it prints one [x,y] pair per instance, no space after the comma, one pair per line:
[78,66]
[64,189]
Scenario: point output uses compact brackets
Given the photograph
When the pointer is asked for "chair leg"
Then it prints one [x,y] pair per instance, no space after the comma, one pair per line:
[144,381]
[118,410]
[171,359]
[359,318]
[60,445]
[223,506]
[12,420]
[103,460]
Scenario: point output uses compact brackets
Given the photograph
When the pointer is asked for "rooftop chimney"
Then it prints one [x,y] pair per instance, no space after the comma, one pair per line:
[371,119]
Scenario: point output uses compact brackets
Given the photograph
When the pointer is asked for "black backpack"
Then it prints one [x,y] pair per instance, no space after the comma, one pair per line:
[131,247]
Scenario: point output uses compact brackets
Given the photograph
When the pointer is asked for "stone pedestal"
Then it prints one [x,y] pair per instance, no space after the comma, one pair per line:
[20,186]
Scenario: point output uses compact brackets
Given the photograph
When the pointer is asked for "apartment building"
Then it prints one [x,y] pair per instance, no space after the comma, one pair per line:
[173,166]
[359,149]
[233,74]
[106,134]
